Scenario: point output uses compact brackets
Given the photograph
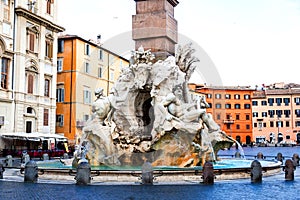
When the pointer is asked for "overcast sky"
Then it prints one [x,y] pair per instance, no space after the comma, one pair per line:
[248,42]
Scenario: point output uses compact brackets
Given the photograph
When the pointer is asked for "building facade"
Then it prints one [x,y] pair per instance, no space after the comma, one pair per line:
[82,67]
[29,53]
[6,58]
[276,115]
[231,109]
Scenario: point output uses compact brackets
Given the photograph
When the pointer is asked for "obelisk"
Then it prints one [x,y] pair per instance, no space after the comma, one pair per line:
[154,26]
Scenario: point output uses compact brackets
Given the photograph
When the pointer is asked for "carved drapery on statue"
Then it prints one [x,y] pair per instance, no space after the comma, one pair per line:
[148,116]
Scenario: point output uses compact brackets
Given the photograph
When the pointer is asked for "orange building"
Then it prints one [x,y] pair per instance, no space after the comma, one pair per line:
[231,109]
[82,67]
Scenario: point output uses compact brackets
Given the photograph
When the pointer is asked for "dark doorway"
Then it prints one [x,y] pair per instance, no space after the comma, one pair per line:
[28,127]
[248,139]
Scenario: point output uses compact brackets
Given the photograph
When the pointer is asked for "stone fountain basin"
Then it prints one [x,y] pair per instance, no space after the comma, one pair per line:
[226,169]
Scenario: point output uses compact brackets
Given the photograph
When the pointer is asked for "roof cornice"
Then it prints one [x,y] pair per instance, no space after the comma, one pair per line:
[38,19]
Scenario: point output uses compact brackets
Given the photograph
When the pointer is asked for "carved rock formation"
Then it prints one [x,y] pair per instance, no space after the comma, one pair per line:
[149,116]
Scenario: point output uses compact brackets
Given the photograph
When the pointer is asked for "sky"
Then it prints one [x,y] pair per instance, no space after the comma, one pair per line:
[242,42]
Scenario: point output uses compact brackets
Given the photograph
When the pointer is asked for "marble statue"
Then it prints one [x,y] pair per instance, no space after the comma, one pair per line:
[148,115]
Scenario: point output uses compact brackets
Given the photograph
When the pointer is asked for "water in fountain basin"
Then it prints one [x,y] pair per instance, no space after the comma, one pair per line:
[240,148]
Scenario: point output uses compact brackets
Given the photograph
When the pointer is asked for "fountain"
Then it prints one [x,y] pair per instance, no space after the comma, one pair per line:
[149,116]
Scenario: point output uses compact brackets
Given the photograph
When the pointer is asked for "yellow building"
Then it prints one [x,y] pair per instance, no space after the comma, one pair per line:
[83,66]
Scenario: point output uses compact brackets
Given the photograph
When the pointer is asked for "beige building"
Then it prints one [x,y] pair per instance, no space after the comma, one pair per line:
[28,94]
[276,114]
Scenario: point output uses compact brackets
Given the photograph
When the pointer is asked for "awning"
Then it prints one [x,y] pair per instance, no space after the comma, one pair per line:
[33,136]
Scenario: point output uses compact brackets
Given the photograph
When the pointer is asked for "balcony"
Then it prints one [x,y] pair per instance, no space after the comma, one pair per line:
[228,121]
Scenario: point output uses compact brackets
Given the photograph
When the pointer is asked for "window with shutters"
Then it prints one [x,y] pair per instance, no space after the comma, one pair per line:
[46,117]
[4,72]
[47,88]
[30,84]
[32,38]
[60,93]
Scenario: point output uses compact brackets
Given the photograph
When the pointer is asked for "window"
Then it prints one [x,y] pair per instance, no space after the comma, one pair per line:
[6,10]
[237,106]
[286,101]
[30,84]
[247,117]
[297,101]
[297,113]
[32,5]
[59,120]
[247,126]
[31,41]
[100,72]
[111,76]
[87,96]
[209,96]
[246,96]
[87,49]
[247,106]
[260,125]
[60,94]
[32,37]
[255,114]
[287,124]
[218,105]
[100,54]
[287,113]
[263,103]
[271,101]
[228,106]
[4,73]
[228,116]
[297,123]
[264,114]
[49,48]
[46,117]
[227,96]
[237,96]
[254,124]
[271,113]
[60,46]
[237,126]
[87,67]
[279,124]
[29,110]
[279,113]
[254,103]
[210,105]
[278,101]
[288,137]
[47,88]
[60,63]
[218,96]
[237,117]
[218,116]
[228,126]
[48,10]
[271,124]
